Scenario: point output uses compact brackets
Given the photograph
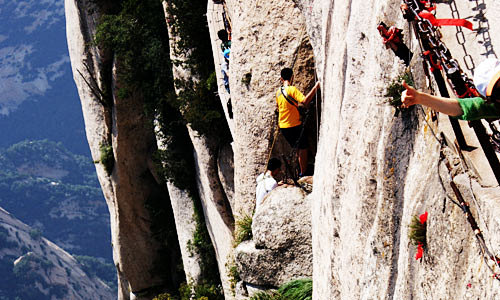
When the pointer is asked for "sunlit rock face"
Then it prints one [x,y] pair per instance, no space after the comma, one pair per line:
[373,171]
[267,36]
[40,267]
[378,171]
[280,249]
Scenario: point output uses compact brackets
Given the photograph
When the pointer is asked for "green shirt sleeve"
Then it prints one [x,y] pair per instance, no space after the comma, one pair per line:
[477,108]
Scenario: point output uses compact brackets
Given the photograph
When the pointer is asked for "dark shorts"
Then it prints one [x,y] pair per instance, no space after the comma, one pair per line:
[292,135]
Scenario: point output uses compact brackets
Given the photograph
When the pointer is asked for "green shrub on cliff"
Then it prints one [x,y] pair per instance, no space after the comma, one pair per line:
[299,289]
[243,231]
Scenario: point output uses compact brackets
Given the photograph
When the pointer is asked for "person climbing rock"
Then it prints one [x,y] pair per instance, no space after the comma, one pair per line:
[288,100]
[486,79]
[225,69]
[224,37]
[266,181]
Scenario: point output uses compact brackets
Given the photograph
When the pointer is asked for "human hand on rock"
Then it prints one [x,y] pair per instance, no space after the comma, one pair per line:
[410,96]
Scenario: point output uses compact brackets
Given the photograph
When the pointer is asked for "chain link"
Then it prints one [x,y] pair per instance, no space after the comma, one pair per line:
[436,54]
[468,60]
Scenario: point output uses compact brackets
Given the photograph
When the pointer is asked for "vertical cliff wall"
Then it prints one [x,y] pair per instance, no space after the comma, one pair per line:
[267,36]
[373,171]
[377,171]
[119,131]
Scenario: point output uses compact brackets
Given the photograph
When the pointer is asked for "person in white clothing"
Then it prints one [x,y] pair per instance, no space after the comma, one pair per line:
[266,181]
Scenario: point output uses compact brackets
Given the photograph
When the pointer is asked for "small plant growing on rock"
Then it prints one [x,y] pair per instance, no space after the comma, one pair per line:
[243,231]
[418,233]
[164,296]
[246,79]
[107,159]
[202,291]
[395,89]
[233,274]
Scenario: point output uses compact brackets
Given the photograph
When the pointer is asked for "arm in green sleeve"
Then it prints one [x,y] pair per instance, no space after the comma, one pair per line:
[477,108]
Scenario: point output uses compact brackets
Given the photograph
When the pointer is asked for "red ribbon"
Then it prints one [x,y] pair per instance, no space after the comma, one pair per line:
[420,252]
[445,22]
[423,218]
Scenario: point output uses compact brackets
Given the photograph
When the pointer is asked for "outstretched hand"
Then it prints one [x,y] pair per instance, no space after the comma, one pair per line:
[409,95]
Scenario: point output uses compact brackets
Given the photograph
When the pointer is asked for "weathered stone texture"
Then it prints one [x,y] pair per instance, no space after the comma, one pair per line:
[378,171]
[266,37]
[216,206]
[281,247]
[140,258]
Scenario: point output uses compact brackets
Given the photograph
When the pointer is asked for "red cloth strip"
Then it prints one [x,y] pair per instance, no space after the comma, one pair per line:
[445,22]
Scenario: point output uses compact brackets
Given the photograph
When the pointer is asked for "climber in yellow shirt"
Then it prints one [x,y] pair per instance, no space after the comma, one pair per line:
[288,100]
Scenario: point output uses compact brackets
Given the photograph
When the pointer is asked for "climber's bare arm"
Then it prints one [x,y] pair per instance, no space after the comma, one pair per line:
[447,106]
[311,94]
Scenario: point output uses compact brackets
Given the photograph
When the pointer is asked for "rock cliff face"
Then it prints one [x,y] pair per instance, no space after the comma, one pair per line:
[280,249]
[146,266]
[373,171]
[41,268]
[378,171]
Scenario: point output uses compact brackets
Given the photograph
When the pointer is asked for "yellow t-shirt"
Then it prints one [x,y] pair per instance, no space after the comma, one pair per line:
[289,114]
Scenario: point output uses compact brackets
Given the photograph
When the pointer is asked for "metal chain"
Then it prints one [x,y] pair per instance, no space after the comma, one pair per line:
[484,27]
[438,56]
[468,60]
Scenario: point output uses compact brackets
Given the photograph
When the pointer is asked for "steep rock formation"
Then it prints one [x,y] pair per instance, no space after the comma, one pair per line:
[281,248]
[267,36]
[43,266]
[216,207]
[145,265]
[378,171]
[373,173]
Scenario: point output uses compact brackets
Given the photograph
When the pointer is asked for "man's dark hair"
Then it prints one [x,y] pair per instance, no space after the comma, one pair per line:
[273,164]
[222,34]
[286,74]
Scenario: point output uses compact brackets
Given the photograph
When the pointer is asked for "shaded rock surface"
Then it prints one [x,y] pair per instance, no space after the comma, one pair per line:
[145,265]
[216,206]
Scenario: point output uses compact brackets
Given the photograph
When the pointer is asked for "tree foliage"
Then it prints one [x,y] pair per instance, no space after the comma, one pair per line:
[299,289]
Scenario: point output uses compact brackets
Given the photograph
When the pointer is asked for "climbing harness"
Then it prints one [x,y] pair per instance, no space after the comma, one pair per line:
[438,59]
[293,102]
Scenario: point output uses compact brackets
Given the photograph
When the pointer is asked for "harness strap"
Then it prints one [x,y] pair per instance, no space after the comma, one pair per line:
[288,98]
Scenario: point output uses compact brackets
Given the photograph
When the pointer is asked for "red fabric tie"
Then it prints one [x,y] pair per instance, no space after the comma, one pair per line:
[445,22]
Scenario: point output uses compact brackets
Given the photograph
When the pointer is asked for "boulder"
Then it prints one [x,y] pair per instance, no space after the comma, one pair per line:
[281,247]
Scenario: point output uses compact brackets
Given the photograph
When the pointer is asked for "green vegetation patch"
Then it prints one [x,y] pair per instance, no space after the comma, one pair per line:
[299,289]
[96,267]
[201,292]
[243,230]
[417,232]
[395,89]
[107,158]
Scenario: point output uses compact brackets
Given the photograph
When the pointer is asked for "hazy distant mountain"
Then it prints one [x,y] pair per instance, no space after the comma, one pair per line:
[38,98]
[56,191]
[33,268]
